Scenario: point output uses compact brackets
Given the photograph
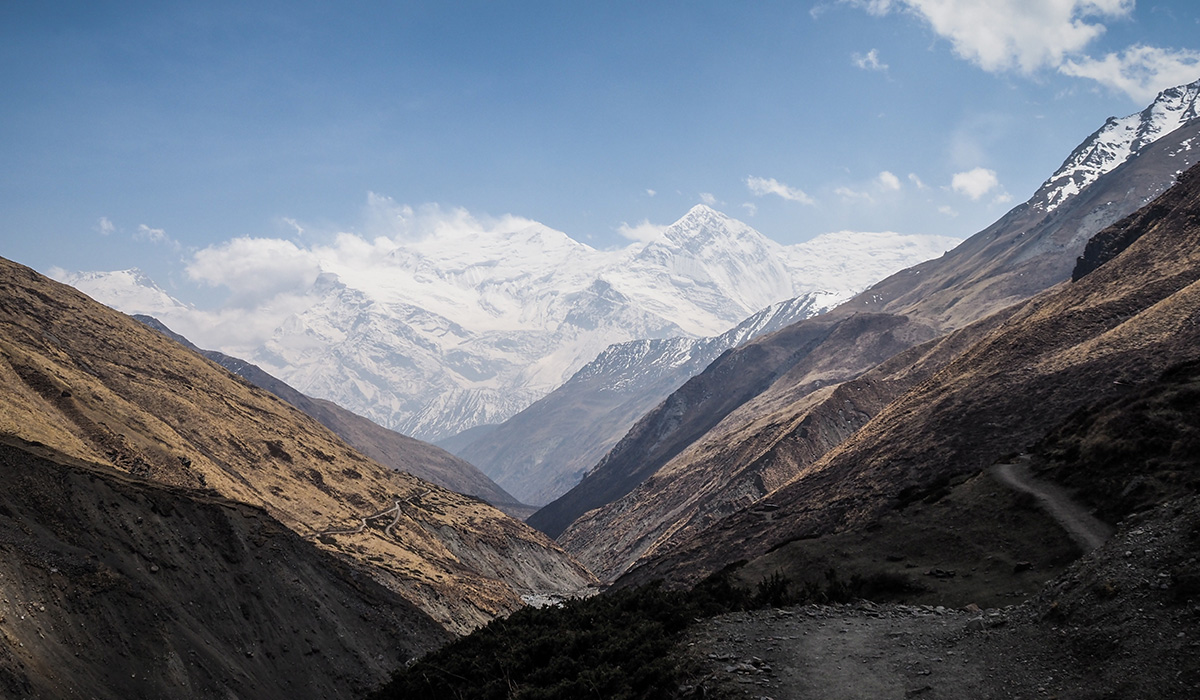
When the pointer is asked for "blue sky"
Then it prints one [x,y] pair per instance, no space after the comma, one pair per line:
[136,134]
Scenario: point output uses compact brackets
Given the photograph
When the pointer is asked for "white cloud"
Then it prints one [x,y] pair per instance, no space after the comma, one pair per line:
[974,183]
[912,177]
[708,198]
[1002,198]
[1027,36]
[1138,71]
[947,210]
[750,207]
[650,192]
[255,269]
[384,217]
[644,231]
[104,226]
[295,225]
[869,60]
[1001,35]
[762,187]
[888,181]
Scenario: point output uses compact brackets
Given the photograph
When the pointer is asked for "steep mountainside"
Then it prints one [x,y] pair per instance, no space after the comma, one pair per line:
[380,444]
[97,385]
[432,335]
[116,588]
[544,450]
[1085,343]
[1026,251]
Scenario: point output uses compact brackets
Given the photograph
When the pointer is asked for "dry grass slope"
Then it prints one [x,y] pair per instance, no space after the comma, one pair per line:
[99,386]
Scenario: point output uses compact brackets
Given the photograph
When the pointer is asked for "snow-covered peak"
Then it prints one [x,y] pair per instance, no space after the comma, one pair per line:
[129,291]
[1117,141]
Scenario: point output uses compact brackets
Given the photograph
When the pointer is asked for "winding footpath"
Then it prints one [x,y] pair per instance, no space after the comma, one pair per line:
[1087,531]
[395,509]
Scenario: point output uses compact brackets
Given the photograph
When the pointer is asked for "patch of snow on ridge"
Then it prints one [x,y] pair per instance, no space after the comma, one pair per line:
[1117,141]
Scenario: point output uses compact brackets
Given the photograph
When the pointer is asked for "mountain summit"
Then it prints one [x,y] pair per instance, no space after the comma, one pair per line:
[1118,141]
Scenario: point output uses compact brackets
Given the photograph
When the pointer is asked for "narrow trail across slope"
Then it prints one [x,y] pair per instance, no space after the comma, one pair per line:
[1087,531]
[395,509]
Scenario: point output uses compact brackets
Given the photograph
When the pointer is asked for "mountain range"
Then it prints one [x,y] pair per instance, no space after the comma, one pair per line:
[465,328]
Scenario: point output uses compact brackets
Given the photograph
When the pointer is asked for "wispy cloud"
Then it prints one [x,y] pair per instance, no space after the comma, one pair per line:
[912,177]
[750,207]
[763,186]
[643,231]
[1139,71]
[156,236]
[1026,37]
[708,198]
[105,227]
[650,192]
[851,195]
[869,61]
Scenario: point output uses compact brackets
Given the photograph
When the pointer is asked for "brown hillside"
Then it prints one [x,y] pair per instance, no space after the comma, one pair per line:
[99,386]
[1076,345]
[387,447]
[1022,254]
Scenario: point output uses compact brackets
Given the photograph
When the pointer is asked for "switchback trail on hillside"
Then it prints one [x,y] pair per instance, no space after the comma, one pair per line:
[395,509]
[1087,531]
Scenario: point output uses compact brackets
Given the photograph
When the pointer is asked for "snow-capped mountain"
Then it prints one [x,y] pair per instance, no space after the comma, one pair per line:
[1116,142]
[432,335]
[543,451]
[128,291]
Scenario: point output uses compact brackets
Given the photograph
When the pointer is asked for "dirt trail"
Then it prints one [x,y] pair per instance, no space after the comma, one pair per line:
[395,509]
[852,652]
[1084,528]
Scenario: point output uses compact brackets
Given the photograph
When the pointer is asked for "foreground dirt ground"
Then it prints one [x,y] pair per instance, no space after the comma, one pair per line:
[1123,622]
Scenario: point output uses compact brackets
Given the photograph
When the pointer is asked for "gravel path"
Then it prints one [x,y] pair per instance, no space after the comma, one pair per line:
[1084,528]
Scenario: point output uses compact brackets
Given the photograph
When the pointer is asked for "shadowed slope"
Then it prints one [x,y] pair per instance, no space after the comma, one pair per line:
[115,588]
